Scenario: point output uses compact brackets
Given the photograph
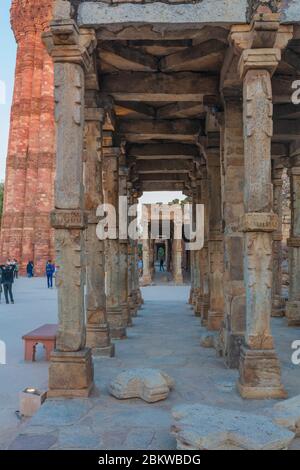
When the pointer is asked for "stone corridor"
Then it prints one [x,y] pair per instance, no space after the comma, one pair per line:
[166,335]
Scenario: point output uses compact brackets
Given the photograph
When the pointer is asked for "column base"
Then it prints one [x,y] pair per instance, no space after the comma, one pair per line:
[178,280]
[108,351]
[204,306]
[145,281]
[292,313]
[260,375]
[71,374]
[214,320]
[117,325]
[197,307]
[98,339]
[278,306]
[190,301]
[232,350]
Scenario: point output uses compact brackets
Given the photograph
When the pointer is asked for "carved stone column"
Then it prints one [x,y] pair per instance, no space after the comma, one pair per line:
[203,254]
[259,366]
[215,243]
[131,260]
[97,328]
[177,261]
[123,249]
[146,279]
[192,273]
[293,305]
[71,368]
[115,315]
[277,299]
[233,208]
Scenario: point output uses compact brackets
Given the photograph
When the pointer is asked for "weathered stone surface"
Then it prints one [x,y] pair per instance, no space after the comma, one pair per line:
[207,340]
[287,414]
[150,385]
[225,11]
[201,427]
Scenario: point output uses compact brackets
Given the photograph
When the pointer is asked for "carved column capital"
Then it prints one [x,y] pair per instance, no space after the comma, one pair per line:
[259,59]
[66,42]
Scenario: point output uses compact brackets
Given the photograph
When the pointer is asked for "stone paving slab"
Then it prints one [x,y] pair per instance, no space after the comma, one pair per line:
[165,335]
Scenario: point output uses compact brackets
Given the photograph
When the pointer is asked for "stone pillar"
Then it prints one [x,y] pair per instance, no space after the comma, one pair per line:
[278,302]
[192,289]
[233,208]
[203,254]
[71,368]
[215,243]
[177,262]
[115,315]
[146,279]
[97,328]
[123,249]
[293,305]
[131,274]
[259,366]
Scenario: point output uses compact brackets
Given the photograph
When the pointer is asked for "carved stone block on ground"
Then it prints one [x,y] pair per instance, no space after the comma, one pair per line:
[207,340]
[287,413]
[150,385]
[201,427]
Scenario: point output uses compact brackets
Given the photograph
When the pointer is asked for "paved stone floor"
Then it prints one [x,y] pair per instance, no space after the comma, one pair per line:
[165,335]
[34,306]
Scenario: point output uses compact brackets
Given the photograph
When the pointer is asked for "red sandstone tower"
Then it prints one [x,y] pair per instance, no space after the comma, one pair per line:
[28,200]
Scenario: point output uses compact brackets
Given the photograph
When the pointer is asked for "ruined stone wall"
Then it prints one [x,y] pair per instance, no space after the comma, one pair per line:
[25,231]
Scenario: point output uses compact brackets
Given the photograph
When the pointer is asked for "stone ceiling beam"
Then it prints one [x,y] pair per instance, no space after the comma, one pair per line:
[180,110]
[163,151]
[163,166]
[124,58]
[181,130]
[193,57]
[181,86]
[286,130]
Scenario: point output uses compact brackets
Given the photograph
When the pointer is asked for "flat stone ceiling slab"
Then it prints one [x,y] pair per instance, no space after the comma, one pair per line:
[208,11]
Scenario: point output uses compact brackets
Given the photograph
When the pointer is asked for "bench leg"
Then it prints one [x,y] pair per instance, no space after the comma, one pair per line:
[30,350]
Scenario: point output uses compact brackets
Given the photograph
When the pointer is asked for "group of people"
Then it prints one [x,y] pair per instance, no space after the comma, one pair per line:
[10,271]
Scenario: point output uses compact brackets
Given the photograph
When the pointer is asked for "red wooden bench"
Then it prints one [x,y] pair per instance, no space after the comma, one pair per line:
[45,335]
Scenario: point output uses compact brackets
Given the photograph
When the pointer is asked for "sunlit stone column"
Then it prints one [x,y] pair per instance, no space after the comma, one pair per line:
[71,368]
[97,328]
[177,261]
[146,279]
[233,208]
[123,246]
[203,254]
[293,305]
[115,315]
[277,299]
[215,243]
[259,366]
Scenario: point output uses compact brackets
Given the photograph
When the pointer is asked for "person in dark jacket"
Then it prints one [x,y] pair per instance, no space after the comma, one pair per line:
[29,269]
[7,280]
[50,269]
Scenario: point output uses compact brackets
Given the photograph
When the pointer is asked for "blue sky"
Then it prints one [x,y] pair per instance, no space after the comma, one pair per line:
[7,61]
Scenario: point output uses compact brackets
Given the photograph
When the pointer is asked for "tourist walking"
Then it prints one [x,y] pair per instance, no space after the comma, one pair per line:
[16,266]
[161,265]
[7,280]
[30,269]
[50,270]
